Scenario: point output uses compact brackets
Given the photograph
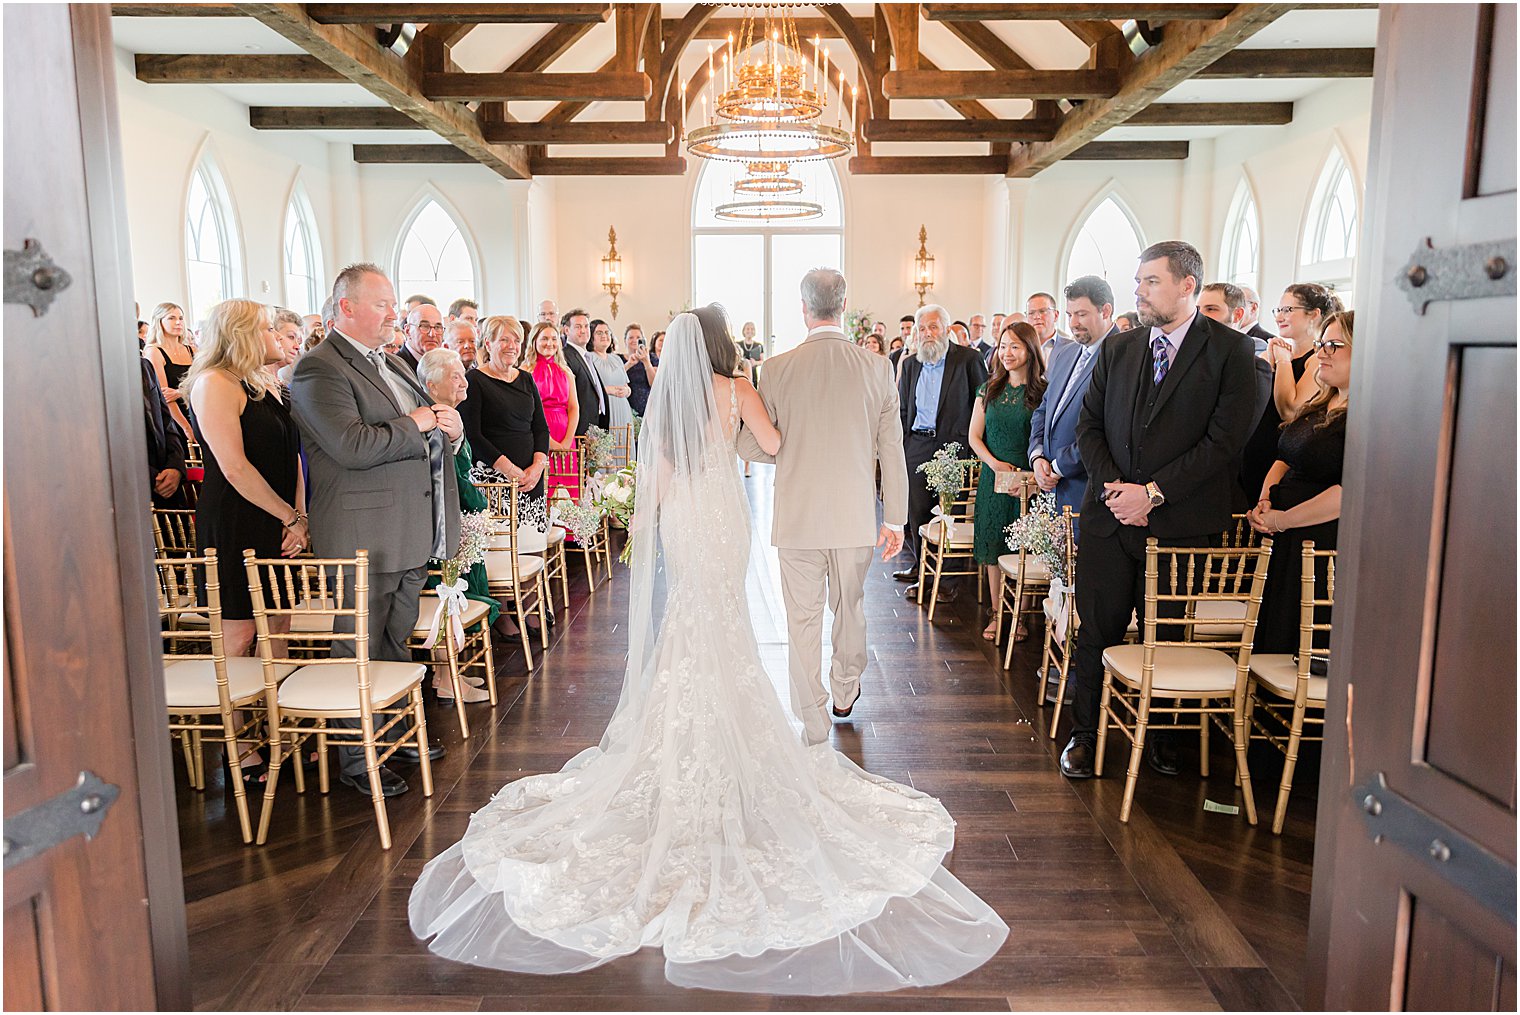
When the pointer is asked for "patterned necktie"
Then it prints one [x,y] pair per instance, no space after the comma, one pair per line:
[1158,352]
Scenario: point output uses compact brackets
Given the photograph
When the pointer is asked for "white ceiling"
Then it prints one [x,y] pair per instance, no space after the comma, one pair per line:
[1044,44]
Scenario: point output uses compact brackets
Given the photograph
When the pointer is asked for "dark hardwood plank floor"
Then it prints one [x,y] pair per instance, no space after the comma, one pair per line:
[1179,909]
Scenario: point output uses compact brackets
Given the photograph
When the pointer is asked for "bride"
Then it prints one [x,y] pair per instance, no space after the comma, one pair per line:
[702,825]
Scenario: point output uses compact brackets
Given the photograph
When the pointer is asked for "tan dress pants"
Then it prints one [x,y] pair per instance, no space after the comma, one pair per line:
[807,578]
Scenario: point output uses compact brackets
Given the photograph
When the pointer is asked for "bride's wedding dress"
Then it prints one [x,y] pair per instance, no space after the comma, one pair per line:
[702,825]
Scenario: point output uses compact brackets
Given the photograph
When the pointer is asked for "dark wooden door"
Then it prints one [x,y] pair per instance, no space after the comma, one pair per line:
[89,923]
[1414,873]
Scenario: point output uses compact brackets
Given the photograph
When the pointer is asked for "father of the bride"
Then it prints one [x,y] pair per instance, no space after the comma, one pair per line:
[836,408]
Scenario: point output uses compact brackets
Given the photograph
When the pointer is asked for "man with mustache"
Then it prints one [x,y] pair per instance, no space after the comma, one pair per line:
[937,392]
[1162,426]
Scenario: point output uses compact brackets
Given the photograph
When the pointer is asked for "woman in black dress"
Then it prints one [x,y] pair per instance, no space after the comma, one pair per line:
[169,350]
[503,415]
[1300,318]
[1301,497]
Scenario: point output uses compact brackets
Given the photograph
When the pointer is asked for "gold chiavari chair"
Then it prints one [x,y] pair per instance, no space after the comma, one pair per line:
[1168,663]
[1024,575]
[1061,622]
[210,697]
[947,542]
[195,469]
[457,656]
[593,550]
[380,694]
[622,445]
[515,577]
[1281,680]
[1221,620]
[174,536]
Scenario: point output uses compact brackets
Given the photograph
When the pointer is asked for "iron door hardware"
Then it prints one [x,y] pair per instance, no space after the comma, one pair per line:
[32,278]
[1467,272]
[76,811]
[1447,852]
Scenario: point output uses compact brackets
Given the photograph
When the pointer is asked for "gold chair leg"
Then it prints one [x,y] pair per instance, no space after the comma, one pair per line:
[239,791]
[322,778]
[1108,691]
[456,681]
[485,636]
[543,617]
[372,771]
[1204,722]
[419,717]
[939,567]
[183,736]
[1244,770]
[198,755]
[590,572]
[1132,774]
[1290,762]
[607,547]
[276,757]
[1065,671]
[564,575]
[522,626]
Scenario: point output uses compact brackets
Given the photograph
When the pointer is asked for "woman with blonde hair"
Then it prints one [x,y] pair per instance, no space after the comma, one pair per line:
[252,494]
[171,356]
[544,359]
[504,421]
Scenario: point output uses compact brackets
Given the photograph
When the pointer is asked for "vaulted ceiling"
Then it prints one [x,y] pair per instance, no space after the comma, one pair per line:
[594,89]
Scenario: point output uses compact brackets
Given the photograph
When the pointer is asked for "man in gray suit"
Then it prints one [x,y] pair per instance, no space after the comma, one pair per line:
[836,408]
[382,475]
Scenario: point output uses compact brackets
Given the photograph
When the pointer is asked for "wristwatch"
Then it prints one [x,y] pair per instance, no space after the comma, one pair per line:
[1154,493]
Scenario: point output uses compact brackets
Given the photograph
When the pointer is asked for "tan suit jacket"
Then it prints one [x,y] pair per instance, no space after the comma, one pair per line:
[836,407]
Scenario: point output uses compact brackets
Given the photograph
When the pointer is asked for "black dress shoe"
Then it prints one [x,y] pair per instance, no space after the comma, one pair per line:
[1161,753]
[1077,759]
[435,751]
[844,713]
[391,784]
[906,575]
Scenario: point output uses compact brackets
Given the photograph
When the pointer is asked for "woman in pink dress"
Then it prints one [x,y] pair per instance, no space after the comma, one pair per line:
[545,360]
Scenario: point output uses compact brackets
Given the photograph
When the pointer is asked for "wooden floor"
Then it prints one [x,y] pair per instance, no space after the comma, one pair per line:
[1180,909]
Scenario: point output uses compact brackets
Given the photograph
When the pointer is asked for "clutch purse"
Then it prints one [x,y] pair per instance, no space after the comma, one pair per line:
[1007,482]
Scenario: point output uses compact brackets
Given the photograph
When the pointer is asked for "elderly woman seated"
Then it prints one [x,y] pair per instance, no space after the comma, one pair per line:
[441,372]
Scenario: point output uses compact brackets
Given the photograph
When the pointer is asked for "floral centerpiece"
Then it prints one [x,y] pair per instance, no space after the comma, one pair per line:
[946,473]
[1041,531]
[475,532]
[858,324]
[583,521]
[615,499]
[599,449]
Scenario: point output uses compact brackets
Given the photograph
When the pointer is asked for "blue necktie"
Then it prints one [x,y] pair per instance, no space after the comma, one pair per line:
[1158,351]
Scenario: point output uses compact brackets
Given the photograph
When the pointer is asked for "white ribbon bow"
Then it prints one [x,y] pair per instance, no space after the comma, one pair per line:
[946,522]
[451,603]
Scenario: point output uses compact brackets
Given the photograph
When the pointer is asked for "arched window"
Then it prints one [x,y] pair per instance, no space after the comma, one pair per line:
[303,256]
[1108,245]
[433,257]
[1242,240]
[211,253]
[1330,230]
[754,268]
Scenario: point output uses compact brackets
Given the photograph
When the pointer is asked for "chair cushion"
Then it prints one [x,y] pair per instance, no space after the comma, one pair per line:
[499,566]
[334,687]
[556,534]
[191,683]
[1231,611]
[1279,673]
[427,605]
[962,535]
[1035,568]
[1180,669]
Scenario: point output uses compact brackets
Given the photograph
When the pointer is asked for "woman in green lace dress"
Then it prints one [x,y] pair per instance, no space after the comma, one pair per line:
[1000,438]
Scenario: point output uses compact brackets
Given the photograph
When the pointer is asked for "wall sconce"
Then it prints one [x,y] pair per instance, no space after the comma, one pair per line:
[923,266]
[612,270]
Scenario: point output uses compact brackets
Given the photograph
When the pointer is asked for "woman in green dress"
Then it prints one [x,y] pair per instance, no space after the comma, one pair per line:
[441,373]
[1000,438]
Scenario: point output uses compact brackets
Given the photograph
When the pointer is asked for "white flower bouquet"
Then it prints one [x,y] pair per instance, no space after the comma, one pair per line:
[475,531]
[615,499]
[858,324]
[946,473]
[1040,531]
[599,449]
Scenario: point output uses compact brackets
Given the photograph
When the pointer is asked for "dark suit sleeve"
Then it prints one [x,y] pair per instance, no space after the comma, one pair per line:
[1092,442]
[470,411]
[175,446]
[323,402]
[1037,430]
[905,397]
[1229,428]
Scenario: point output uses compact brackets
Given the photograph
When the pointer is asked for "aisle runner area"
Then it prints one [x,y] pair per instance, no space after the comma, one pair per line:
[1180,909]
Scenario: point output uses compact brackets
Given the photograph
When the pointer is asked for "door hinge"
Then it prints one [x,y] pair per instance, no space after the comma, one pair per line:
[1467,272]
[76,811]
[32,278]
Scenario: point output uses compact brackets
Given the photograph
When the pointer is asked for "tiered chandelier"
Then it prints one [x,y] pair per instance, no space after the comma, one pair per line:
[767,112]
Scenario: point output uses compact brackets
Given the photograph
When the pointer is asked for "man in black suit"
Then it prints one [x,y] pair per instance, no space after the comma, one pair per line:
[166,445]
[424,333]
[1251,324]
[576,325]
[1165,417]
[936,392]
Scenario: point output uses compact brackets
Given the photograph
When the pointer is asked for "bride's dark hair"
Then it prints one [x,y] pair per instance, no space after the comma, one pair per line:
[721,351]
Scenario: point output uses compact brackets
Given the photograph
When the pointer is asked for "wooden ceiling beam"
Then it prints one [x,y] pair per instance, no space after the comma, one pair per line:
[1213,114]
[985,43]
[354,54]
[175,11]
[447,32]
[861,45]
[1004,84]
[807,28]
[1077,12]
[626,166]
[620,132]
[550,46]
[1291,63]
[902,26]
[328,118]
[610,86]
[675,44]
[233,69]
[409,154]
[1031,129]
[1189,47]
[567,111]
[475,14]
[928,165]
[1110,151]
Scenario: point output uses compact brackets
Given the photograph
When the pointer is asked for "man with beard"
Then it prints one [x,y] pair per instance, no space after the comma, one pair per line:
[937,392]
[1165,417]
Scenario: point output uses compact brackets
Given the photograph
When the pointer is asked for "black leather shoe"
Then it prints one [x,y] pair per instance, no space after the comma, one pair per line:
[1077,759]
[435,751]
[391,784]
[906,575]
[947,593]
[1161,753]
[844,713]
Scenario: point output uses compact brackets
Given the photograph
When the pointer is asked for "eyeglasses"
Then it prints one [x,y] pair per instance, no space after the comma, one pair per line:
[1046,312]
[1284,311]
[436,329]
[1332,347]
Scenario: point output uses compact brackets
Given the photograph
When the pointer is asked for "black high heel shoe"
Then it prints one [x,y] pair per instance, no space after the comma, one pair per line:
[252,775]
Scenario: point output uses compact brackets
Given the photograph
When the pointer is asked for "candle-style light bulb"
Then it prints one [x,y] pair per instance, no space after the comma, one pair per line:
[683,110]
[854,106]
[840,122]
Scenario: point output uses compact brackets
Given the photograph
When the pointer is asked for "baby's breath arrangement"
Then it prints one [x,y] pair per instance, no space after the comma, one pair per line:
[946,472]
[1039,531]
